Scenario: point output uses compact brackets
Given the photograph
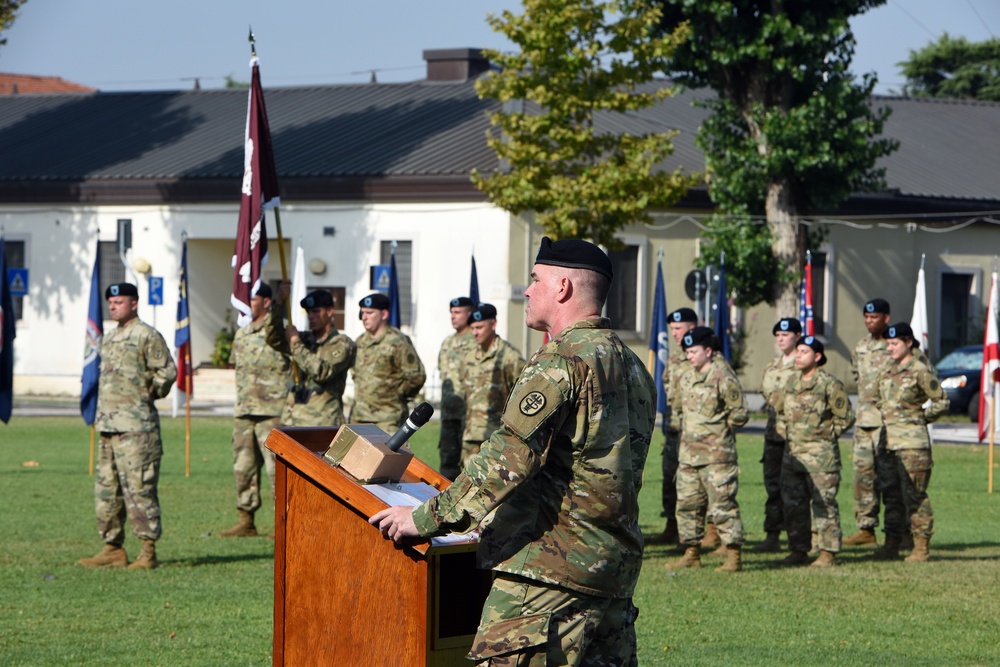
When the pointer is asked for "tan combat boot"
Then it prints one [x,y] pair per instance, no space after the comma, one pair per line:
[711,539]
[771,545]
[147,557]
[734,560]
[921,553]
[691,558]
[795,558]
[111,555]
[244,526]
[826,559]
[889,550]
[862,538]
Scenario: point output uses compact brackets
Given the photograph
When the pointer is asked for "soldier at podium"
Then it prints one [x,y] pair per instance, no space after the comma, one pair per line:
[561,477]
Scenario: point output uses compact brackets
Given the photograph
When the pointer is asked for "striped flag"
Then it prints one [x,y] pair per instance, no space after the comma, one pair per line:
[809,326]
[989,387]
[182,336]
[92,346]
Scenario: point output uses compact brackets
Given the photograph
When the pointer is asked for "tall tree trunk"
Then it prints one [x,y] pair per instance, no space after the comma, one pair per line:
[788,245]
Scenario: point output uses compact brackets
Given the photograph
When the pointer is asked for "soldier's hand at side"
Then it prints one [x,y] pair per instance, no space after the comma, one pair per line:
[291,333]
[395,523]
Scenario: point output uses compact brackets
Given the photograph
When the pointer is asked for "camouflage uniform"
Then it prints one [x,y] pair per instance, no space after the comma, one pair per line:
[263,382]
[905,465]
[776,376]
[711,406]
[561,477]
[136,369]
[450,358]
[813,414]
[487,379]
[387,375]
[870,357]
[677,363]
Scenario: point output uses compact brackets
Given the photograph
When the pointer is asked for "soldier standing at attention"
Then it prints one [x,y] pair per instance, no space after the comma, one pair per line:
[712,407]
[786,334]
[869,359]
[813,410]
[136,369]
[263,383]
[388,373]
[904,466]
[561,477]
[450,358]
[323,356]
[489,373]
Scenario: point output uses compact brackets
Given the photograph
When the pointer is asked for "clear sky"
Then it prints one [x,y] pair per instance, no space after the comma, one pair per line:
[143,45]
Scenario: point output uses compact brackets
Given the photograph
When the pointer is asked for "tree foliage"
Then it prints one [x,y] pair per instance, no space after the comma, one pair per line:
[579,63]
[8,12]
[956,68]
[791,131]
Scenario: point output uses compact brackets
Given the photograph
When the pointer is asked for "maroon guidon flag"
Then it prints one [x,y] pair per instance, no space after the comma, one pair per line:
[260,193]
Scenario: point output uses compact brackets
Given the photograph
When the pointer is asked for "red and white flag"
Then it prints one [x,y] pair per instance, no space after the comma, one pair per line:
[810,324]
[989,387]
[260,193]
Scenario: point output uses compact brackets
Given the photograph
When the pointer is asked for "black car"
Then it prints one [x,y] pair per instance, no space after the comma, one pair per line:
[960,373]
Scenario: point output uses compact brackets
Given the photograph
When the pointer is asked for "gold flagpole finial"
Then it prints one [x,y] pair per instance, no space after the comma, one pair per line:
[253,43]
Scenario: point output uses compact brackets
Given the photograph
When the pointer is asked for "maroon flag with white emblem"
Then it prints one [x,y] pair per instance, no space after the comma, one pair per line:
[260,193]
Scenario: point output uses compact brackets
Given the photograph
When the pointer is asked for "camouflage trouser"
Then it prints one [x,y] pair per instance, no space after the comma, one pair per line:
[867,443]
[774,451]
[818,490]
[671,447]
[125,479]
[526,624]
[469,449]
[903,477]
[450,448]
[708,490]
[249,454]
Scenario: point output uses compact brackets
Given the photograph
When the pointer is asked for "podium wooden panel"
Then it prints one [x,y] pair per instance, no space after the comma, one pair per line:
[345,596]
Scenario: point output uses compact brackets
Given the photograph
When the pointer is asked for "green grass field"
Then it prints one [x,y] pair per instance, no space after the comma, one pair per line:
[210,602]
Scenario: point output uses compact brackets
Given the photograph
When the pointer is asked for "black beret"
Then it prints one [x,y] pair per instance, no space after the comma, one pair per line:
[264,291]
[683,315]
[789,324]
[460,301]
[318,299]
[121,289]
[484,311]
[698,336]
[898,330]
[574,254]
[378,301]
[877,306]
[815,344]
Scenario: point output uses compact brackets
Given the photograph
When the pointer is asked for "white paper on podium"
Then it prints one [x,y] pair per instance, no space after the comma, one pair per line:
[411,494]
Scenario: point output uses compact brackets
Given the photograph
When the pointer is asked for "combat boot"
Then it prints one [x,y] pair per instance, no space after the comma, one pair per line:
[711,539]
[147,557]
[771,545]
[111,555]
[889,550]
[691,558]
[668,536]
[864,537]
[244,526]
[921,553]
[734,560]
[906,542]
[795,558]
[826,559]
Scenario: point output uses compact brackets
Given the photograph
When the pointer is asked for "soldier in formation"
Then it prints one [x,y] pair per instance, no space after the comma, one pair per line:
[450,360]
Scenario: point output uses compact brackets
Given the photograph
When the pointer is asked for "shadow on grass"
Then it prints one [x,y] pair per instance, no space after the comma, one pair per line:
[218,559]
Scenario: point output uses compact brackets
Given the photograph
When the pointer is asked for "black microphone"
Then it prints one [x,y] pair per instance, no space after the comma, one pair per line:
[420,415]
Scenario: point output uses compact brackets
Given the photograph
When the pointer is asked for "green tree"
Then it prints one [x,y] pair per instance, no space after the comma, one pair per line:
[579,63]
[8,12]
[791,131]
[954,67]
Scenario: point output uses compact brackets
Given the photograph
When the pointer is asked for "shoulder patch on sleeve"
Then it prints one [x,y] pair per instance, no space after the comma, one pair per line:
[531,404]
[732,392]
[838,403]
[930,384]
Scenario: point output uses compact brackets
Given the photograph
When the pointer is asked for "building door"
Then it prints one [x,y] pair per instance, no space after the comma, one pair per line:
[955,311]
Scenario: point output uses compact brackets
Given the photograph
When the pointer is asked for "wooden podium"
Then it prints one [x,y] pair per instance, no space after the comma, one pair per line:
[344,595]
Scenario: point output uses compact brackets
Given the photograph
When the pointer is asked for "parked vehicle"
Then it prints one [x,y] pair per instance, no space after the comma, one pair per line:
[960,373]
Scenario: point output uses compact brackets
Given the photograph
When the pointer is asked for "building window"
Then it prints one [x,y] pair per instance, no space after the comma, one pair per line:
[14,259]
[622,307]
[819,295]
[112,271]
[404,264]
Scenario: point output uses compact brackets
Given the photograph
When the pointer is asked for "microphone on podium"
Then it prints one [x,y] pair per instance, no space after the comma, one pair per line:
[417,418]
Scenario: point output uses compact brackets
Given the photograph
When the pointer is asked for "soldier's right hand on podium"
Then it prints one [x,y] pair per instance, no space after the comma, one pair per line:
[395,523]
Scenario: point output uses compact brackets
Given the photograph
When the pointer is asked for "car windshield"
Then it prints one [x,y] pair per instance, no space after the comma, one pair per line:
[963,359]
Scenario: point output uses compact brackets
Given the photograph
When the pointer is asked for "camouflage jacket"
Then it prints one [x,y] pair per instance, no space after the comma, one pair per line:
[775,378]
[676,364]
[136,369]
[711,407]
[487,378]
[813,413]
[869,359]
[387,374]
[450,360]
[564,469]
[263,375]
[901,392]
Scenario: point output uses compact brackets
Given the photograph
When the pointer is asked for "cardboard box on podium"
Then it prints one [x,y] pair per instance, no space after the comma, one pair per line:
[360,450]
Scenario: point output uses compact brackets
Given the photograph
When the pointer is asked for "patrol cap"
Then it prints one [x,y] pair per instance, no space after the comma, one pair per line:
[460,301]
[264,291]
[877,306]
[317,299]
[482,312]
[816,345]
[574,254]
[683,315]
[121,289]
[898,330]
[789,324]
[699,336]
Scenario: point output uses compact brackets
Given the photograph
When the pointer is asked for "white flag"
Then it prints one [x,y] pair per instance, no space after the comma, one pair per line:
[919,320]
[299,319]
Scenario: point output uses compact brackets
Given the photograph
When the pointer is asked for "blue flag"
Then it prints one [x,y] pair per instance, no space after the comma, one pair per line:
[394,319]
[474,283]
[722,313]
[92,346]
[7,334]
[658,341]
[182,336]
